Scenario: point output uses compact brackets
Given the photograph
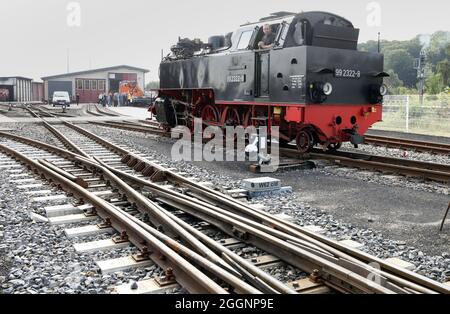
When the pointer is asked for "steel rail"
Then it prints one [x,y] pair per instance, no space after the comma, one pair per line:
[263,217]
[345,260]
[66,142]
[258,235]
[106,112]
[89,111]
[187,275]
[427,170]
[421,146]
[160,215]
[404,275]
[221,273]
[136,128]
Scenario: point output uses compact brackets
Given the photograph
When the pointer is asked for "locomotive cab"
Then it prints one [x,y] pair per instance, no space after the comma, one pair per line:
[314,83]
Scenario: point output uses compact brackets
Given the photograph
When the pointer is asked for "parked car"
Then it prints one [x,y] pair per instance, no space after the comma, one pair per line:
[61,99]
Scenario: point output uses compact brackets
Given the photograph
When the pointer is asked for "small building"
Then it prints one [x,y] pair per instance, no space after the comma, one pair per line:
[15,89]
[91,83]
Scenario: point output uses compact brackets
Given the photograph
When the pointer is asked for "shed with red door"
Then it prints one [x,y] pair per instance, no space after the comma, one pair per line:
[91,83]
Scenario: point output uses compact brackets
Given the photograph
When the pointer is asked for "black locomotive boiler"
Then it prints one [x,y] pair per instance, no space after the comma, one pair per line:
[313,83]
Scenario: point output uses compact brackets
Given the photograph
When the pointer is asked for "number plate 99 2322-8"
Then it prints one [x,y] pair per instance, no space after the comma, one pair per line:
[346,73]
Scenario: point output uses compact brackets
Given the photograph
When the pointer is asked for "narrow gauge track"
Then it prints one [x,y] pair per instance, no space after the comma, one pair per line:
[96,110]
[419,146]
[137,127]
[38,112]
[406,167]
[337,266]
[170,255]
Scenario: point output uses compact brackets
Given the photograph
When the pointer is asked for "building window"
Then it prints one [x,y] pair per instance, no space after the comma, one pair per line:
[101,85]
[87,85]
[93,84]
[79,84]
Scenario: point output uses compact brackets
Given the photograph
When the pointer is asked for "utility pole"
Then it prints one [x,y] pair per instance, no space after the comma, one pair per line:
[419,65]
[68,61]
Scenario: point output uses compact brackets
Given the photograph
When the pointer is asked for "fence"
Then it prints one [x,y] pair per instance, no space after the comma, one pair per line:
[405,113]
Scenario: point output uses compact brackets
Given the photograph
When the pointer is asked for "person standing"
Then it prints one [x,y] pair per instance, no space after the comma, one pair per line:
[104,100]
[116,99]
[109,99]
[77,98]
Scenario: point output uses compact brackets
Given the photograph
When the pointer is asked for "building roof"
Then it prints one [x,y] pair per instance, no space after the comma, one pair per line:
[95,70]
[16,77]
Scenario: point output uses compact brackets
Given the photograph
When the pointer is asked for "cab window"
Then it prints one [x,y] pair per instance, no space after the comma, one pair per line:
[259,37]
[244,40]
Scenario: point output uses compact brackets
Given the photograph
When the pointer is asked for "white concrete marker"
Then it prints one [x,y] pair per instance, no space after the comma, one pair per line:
[68,219]
[86,231]
[101,245]
[120,264]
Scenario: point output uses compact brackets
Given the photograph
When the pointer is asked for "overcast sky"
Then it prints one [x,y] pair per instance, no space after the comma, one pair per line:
[35,35]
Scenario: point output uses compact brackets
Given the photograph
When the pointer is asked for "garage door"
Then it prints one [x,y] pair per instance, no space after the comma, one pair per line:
[59,86]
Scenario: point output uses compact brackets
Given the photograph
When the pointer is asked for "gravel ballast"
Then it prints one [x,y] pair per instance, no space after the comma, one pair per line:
[22,235]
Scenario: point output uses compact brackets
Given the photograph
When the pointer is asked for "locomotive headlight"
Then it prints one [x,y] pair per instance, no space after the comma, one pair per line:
[327,89]
[383,90]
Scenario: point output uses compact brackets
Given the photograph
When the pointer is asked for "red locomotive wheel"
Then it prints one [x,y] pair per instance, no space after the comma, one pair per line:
[210,114]
[232,117]
[305,141]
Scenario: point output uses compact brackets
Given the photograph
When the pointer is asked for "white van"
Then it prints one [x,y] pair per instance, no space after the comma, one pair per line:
[61,99]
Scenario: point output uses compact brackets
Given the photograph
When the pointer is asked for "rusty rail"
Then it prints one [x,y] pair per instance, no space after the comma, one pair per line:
[420,146]
[425,170]
[409,280]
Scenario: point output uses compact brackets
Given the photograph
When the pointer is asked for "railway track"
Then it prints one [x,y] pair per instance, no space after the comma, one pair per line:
[389,165]
[98,111]
[196,261]
[419,146]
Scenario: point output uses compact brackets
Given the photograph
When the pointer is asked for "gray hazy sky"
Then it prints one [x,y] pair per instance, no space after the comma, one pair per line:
[35,35]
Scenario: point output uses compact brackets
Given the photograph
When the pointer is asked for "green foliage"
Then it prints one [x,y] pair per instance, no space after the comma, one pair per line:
[443,68]
[399,61]
[434,84]
[393,82]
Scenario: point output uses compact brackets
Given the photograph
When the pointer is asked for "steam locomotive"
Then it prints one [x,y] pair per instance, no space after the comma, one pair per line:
[313,83]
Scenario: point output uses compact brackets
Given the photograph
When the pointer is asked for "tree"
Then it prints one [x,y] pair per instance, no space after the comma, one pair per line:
[438,49]
[393,82]
[401,62]
[443,68]
[434,84]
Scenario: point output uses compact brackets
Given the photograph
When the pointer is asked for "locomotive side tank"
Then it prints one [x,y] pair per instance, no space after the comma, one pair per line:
[314,83]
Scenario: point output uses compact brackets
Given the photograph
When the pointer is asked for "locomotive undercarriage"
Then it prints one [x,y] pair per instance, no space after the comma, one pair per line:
[190,104]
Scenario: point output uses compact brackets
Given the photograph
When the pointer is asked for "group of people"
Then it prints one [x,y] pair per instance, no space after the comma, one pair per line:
[114,99]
